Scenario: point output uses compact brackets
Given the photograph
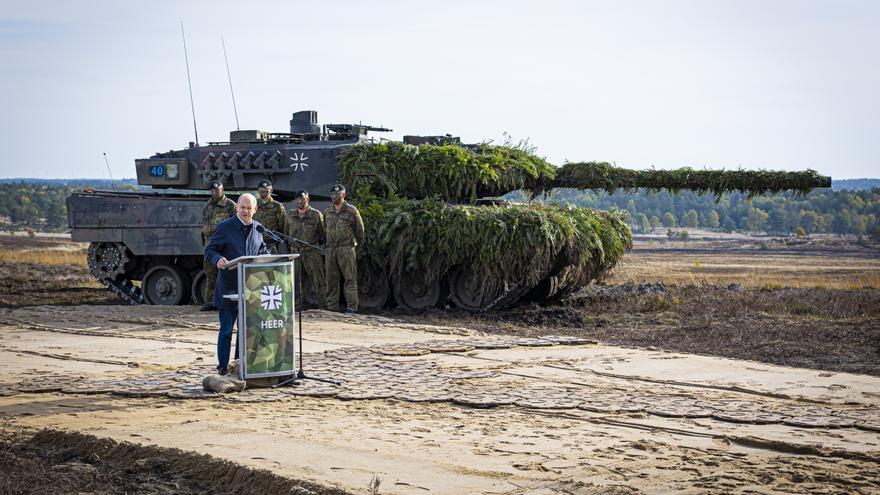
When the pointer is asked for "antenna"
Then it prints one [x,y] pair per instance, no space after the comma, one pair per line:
[189,82]
[108,166]
[234,109]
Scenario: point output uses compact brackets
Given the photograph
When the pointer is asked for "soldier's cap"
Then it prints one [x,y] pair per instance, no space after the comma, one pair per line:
[216,185]
[301,194]
[265,183]
[338,188]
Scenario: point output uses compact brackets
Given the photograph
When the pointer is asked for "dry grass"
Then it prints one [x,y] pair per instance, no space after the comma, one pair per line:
[760,271]
[828,329]
[72,254]
[47,271]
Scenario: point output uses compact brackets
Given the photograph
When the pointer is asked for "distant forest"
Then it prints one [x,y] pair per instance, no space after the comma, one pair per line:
[40,205]
[821,211]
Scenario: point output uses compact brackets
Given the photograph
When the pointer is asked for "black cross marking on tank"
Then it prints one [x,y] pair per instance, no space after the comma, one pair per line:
[298,161]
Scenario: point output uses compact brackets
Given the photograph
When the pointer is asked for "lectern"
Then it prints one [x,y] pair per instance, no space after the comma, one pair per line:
[266,315]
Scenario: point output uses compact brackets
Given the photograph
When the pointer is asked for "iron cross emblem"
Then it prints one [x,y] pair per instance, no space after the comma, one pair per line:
[298,161]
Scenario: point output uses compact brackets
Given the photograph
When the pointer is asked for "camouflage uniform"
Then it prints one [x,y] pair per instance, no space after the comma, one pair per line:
[273,216]
[309,228]
[213,213]
[344,231]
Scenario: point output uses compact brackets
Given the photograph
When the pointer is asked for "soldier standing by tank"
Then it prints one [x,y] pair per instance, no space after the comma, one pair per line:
[307,224]
[271,214]
[345,229]
[218,208]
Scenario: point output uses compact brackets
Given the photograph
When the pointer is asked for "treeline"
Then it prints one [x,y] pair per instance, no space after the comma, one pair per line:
[821,211]
[42,205]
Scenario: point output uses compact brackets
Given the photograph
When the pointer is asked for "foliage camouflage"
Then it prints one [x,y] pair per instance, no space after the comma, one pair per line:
[512,247]
[464,173]
[515,245]
[268,350]
[452,172]
[604,176]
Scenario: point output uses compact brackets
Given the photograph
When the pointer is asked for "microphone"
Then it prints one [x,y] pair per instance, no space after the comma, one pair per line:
[278,235]
[271,234]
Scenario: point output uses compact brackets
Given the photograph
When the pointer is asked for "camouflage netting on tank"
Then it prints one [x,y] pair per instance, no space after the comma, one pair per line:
[510,246]
[604,176]
[452,172]
[464,173]
[514,249]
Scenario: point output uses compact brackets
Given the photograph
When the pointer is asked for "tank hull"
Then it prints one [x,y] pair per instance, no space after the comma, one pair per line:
[146,248]
[133,235]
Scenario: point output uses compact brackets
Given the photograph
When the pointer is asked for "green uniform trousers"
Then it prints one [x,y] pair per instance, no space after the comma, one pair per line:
[210,280]
[313,263]
[341,261]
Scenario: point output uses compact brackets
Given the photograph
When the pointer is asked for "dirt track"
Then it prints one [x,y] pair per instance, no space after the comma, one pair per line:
[523,417]
[827,329]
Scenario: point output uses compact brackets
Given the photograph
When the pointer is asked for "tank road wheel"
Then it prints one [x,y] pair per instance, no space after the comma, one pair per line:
[466,290]
[373,288]
[413,292]
[166,285]
[464,287]
[197,291]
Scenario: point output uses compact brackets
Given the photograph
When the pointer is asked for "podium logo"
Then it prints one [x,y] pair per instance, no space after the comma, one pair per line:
[270,297]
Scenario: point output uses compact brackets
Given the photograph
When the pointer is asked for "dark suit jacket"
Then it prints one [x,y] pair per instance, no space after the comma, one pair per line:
[229,241]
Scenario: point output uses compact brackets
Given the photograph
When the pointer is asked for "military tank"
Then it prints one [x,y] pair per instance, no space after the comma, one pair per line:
[438,229]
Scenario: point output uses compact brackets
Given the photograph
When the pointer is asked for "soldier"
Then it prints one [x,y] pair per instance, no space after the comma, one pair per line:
[218,208]
[270,214]
[345,229]
[307,224]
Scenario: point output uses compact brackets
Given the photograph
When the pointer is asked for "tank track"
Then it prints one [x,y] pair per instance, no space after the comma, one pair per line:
[107,262]
[126,290]
[507,298]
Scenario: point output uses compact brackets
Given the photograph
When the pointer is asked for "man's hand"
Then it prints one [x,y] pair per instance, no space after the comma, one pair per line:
[221,263]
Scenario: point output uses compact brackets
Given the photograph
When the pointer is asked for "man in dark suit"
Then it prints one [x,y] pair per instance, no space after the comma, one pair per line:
[233,237]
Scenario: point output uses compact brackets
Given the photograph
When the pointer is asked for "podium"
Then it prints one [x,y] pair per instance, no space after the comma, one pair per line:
[266,315]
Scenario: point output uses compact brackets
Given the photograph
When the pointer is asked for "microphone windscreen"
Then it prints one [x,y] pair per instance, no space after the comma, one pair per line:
[261,229]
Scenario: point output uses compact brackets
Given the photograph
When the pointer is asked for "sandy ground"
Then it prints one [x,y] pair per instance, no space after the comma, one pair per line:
[458,416]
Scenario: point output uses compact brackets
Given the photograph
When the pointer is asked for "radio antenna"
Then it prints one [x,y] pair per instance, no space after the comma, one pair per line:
[189,82]
[229,75]
[108,166]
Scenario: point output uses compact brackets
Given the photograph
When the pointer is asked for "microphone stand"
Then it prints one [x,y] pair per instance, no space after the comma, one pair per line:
[300,375]
[277,237]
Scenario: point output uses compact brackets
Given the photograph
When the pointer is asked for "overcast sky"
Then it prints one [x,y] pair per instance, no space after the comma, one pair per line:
[757,84]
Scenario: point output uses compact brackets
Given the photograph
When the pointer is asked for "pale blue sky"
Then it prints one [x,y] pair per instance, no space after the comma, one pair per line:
[757,84]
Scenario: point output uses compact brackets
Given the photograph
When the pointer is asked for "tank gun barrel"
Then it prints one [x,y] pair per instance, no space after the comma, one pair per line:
[465,173]
[604,176]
